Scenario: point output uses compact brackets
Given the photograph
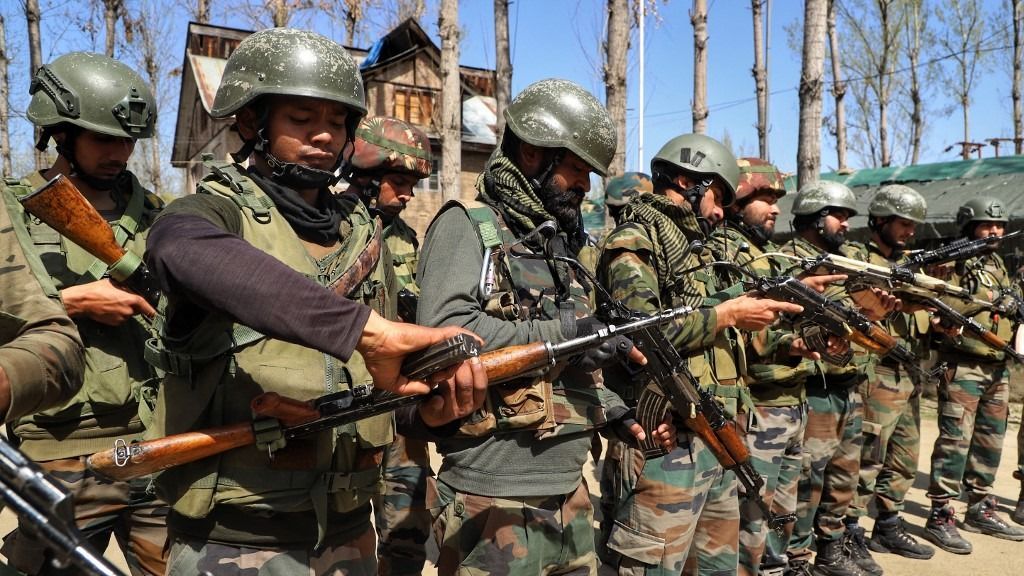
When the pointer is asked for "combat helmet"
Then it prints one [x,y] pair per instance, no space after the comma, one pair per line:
[621,189]
[900,201]
[386,144]
[700,155]
[756,175]
[981,209]
[93,92]
[557,113]
[824,194]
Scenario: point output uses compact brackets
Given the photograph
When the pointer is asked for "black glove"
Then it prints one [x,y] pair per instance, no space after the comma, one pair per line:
[620,419]
[609,352]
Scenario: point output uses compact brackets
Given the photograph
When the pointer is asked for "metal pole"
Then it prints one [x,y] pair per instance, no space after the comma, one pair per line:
[640,148]
[767,91]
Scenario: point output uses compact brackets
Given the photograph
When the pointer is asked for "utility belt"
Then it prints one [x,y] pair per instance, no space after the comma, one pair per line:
[269,529]
[837,382]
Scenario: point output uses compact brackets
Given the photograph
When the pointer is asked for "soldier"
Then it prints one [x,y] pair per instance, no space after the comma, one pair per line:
[776,367]
[646,265]
[227,258]
[832,438]
[95,109]
[974,398]
[40,348]
[390,157]
[621,189]
[510,496]
[891,408]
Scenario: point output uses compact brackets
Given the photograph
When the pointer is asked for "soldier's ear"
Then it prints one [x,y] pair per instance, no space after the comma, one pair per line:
[247,121]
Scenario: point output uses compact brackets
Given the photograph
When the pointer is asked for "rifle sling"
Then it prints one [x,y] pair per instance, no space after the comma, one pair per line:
[363,266]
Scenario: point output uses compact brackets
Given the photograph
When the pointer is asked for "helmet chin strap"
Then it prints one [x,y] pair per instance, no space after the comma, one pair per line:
[756,233]
[291,174]
[693,195]
[67,150]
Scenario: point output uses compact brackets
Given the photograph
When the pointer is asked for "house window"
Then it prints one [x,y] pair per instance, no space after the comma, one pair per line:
[413,106]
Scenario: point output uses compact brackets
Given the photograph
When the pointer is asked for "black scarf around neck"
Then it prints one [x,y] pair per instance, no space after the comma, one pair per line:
[318,223]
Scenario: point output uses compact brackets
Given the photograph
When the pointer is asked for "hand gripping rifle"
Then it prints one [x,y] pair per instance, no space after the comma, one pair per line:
[961,249]
[46,511]
[294,418]
[59,204]
[950,316]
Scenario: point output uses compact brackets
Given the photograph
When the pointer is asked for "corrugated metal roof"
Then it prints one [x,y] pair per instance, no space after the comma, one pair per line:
[208,72]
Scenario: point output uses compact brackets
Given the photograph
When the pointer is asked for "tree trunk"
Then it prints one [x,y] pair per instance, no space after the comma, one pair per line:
[451,101]
[965,104]
[353,15]
[503,62]
[916,101]
[808,158]
[5,93]
[699,20]
[280,13]
[32,16]
[838,86]
[110,10]
[884,83]
[202,13]
[616,50]
[760,78]
[1018,56]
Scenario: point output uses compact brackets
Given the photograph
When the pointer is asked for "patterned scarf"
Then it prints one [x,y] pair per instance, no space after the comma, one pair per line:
[673,228]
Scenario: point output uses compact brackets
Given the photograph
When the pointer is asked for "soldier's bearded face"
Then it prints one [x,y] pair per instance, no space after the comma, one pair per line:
[396,189]
[711,205]
[897,232]
[836,225]
[102,156]
[306,131]
[761,212]
[986,229]
[563,192]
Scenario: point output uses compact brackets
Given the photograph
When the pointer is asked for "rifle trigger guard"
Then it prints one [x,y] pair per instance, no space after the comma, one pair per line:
[269,435]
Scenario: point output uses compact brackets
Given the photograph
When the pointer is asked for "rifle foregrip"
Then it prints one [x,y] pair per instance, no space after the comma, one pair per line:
[289,411]
[870,341]
[699,426]
[130,461]
[512,362]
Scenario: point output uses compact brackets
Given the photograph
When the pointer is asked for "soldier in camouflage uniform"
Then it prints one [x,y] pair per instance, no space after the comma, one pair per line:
[228,256]
[621,189]
[776,371]
[891,407]
[974,398]
[94,142]
[832,438]
[390,157]
[678,512]
[510,496]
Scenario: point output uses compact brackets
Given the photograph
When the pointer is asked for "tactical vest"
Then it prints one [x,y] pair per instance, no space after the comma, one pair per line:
[403,245]
[986,277]
[908,329]
[119,388]
[214,373]
[720,368]
[559,401]
[770,384]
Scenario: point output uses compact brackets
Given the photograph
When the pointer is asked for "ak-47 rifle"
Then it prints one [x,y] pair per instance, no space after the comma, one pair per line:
[46,510]
[950,316]
[956,250]
[59,204]
[297,418]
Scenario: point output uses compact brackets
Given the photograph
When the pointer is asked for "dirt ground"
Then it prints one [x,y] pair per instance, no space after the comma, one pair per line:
[991,557]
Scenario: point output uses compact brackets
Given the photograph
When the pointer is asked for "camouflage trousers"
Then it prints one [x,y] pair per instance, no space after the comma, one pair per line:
[347,554]
[127,510]
[774,435]
[480,535]
[973,409]
[892,442]
[400,514]
[831,467]
[675,514]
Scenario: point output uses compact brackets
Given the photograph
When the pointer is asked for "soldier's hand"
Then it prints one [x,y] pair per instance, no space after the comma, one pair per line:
[5,394]
[664,434]
[876,303]
[384,344]
[752,313]
[822,281]
[458,396]
[836,347]
[938,326]
[104,302]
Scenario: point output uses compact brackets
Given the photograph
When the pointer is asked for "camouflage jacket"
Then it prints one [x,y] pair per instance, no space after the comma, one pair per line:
[117,377]
[910,330]
[41,353]
[403,244]
[987,278]
[776,378]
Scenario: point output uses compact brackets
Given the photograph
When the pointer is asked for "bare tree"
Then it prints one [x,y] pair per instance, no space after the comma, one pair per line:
[1017,6]
[5,93]
[113,10]
[201,11]
[760,73]
[451,100]
[963,25]
[915,29]
[147,49]
[808,158]
[699,20]
[616,48]
[503,62]
[35,51]
[838,86]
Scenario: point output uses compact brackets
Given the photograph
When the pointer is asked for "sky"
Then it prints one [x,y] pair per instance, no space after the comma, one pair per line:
[561,38]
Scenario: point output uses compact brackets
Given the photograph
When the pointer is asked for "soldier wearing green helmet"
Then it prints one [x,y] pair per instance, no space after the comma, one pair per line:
[974,401]
[891,406]
[525,452]
[647,264]
[621,189]
[94,109]
[229,256]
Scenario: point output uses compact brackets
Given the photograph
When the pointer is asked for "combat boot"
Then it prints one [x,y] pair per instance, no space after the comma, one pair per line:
[982,517]
[798,568]
[1018,513]
[890,536]
[830,560]
[855,547]
[940,529]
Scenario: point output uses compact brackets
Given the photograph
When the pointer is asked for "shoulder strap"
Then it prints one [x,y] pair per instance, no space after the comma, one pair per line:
[487,222]
[229,180]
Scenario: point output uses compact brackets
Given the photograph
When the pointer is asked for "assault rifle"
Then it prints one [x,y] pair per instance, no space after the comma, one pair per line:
[46,511]
[950,316]
[59,204]
[961,249]
[297,418]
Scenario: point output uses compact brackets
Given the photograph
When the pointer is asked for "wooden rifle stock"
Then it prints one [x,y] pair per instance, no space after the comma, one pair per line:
[729,453]
[876,341]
